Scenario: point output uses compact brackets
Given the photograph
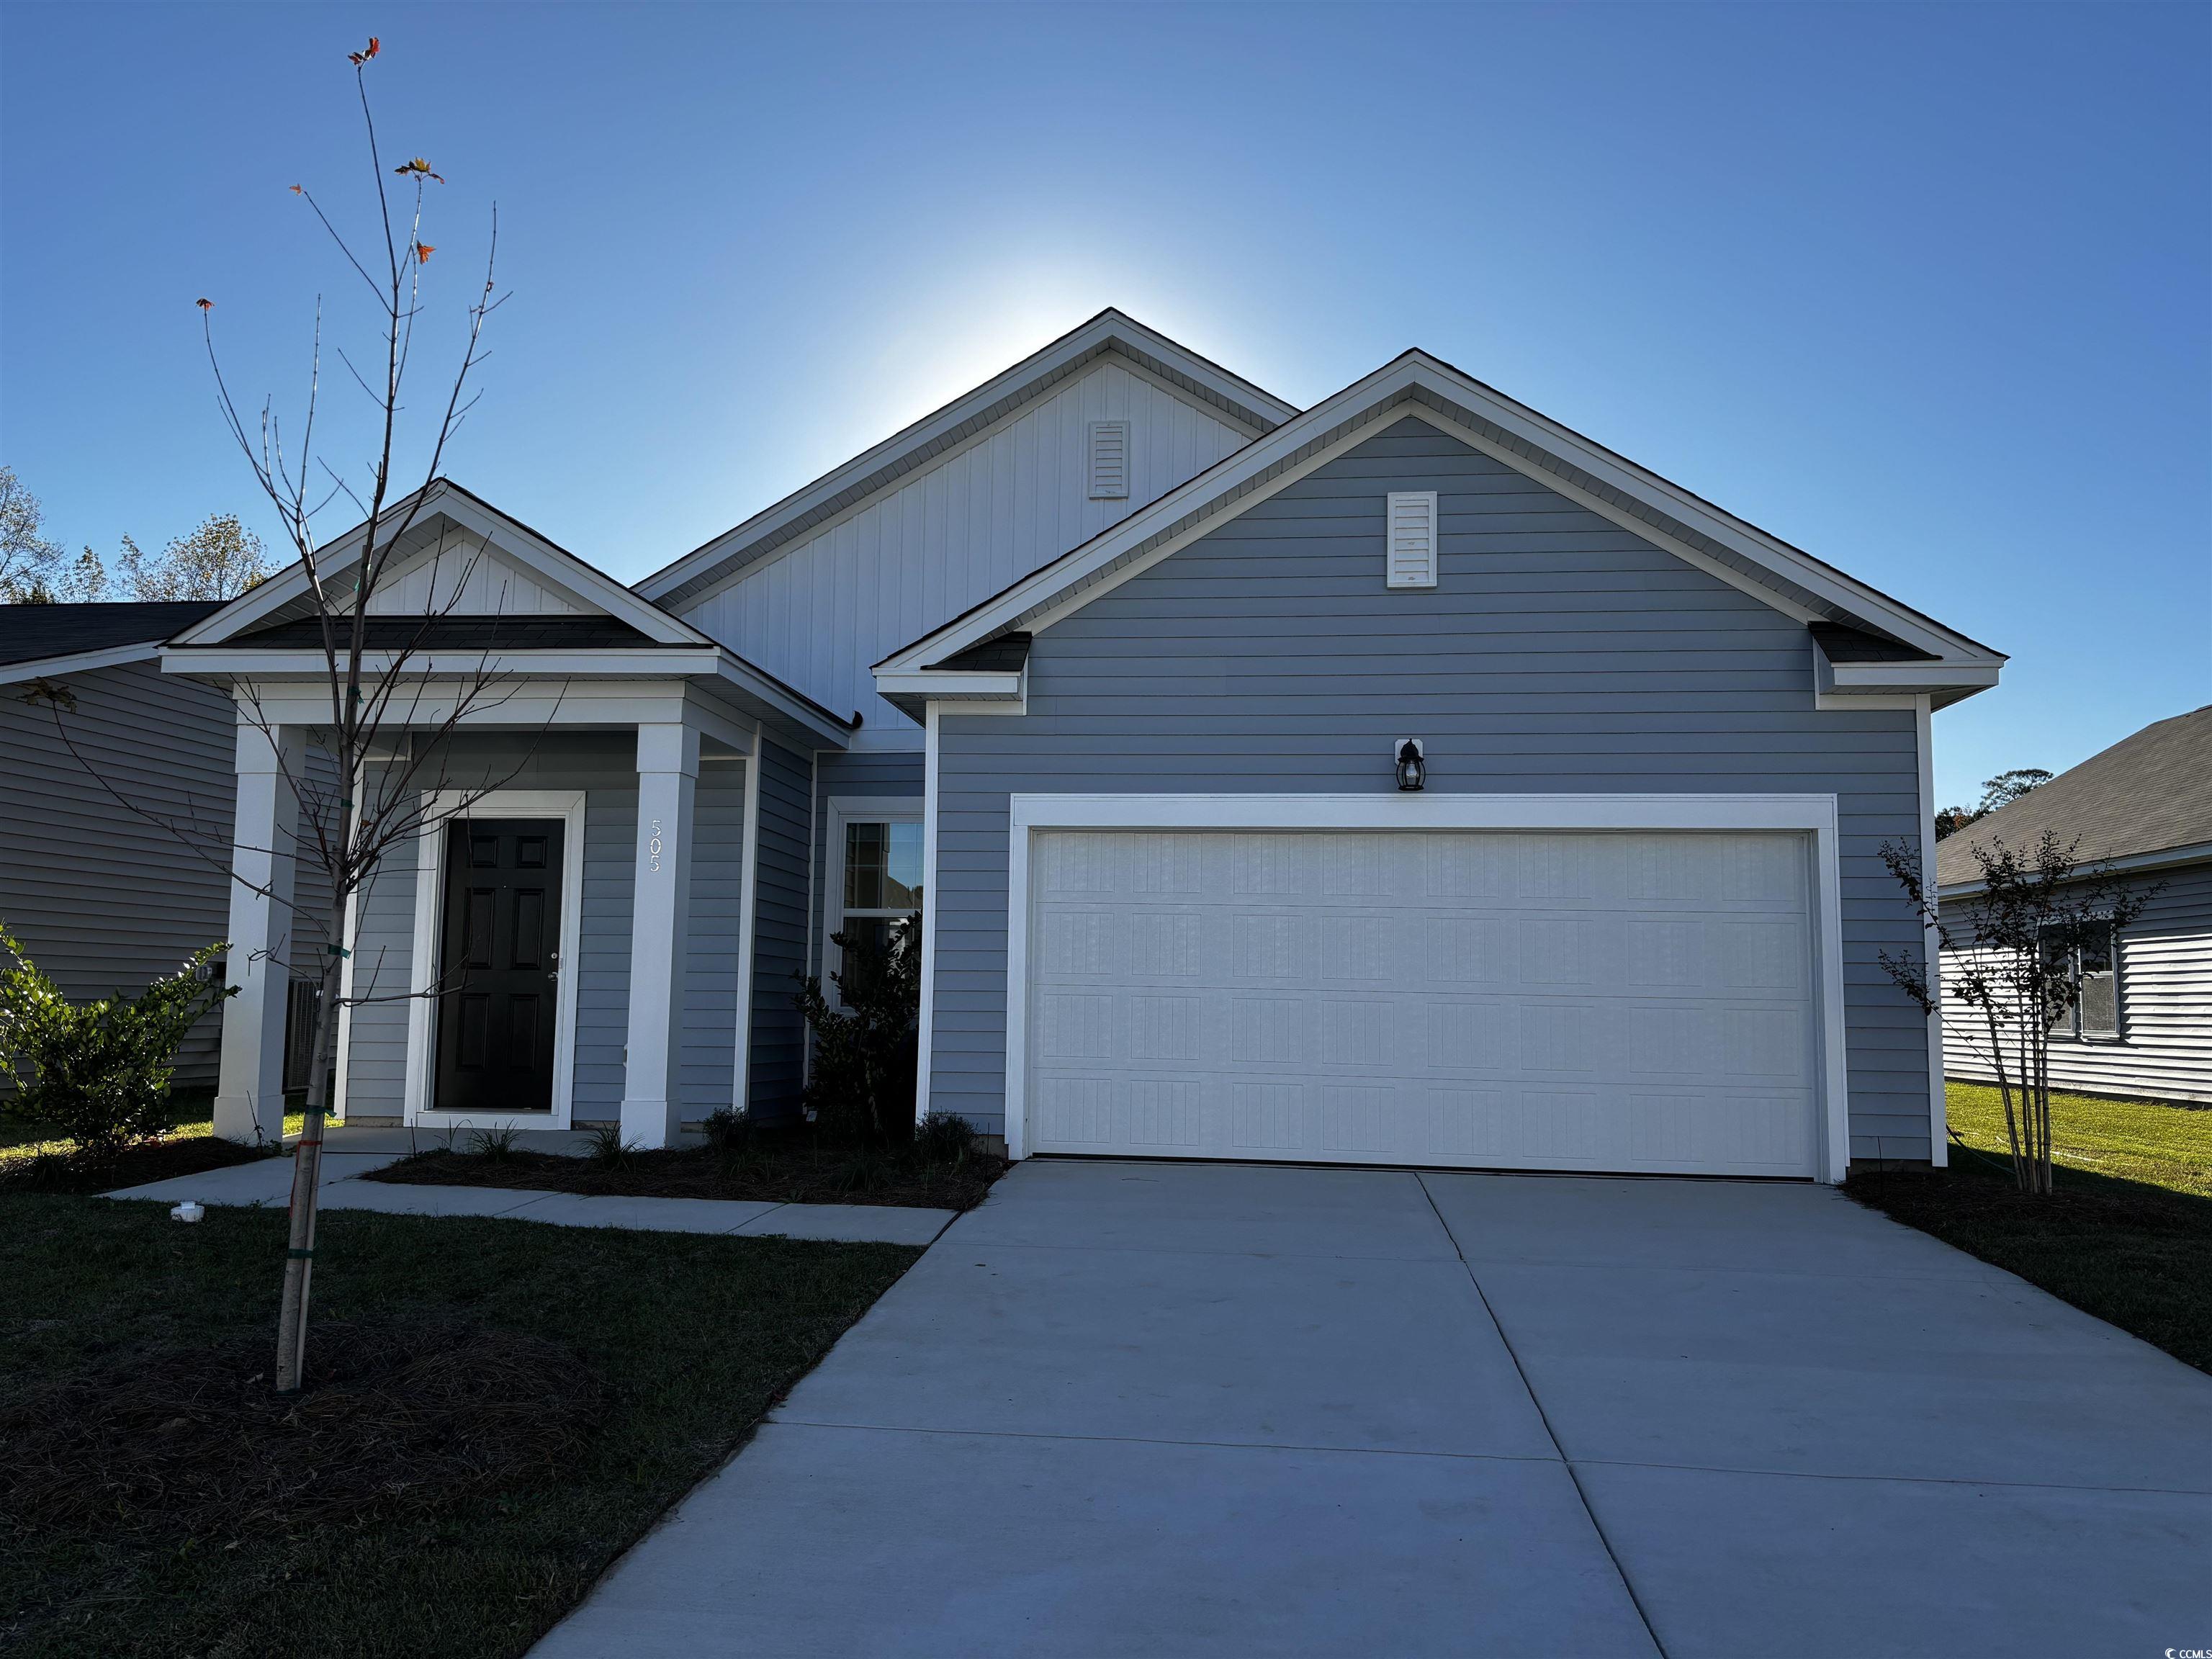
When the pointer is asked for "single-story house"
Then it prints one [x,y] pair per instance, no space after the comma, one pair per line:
[102,897]
[2141,1024]
[1406,779]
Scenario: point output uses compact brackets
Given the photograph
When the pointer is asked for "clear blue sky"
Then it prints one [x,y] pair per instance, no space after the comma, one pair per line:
[1923,289]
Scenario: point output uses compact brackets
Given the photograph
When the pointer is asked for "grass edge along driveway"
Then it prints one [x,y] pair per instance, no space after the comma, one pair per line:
[691,1337]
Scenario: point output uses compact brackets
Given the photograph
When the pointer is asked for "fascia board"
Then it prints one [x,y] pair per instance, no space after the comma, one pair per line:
[587,585]
[82,662]
[2127,863]
[1045,586]
[448,665]
[1080,575]
[1791,563]
[937,682]
[1108,329]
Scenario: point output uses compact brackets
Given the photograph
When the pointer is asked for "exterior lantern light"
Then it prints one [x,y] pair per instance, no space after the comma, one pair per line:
[1412,765]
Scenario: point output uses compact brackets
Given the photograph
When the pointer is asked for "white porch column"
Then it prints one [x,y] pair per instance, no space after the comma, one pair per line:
[250,1092]
[667,780]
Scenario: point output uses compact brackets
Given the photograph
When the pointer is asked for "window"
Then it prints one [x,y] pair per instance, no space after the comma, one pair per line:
[875,875]
[2086,959]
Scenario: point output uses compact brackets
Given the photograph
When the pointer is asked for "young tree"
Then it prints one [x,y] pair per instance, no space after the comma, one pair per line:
[2008,964]
[219,560]
[350,825]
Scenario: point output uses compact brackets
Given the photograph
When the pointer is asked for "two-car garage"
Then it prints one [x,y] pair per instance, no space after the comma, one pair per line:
[1584,999]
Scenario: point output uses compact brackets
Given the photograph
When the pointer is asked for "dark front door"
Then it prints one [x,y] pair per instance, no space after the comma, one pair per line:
[496,973]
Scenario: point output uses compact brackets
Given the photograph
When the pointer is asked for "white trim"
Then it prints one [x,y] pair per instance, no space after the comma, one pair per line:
[926,1025]
[1100,333]
[1815,815]
[592,586]
[528,704]
[737,567]
[1939,1138]
[992,684]
[1389,393]
[748,913]
[567,805]
[263,663]
[2163,859]
[860,809]
[82,662]
[345,1008]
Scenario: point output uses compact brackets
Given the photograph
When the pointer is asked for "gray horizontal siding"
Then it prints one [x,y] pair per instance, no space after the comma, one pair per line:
[711,945]
[100,897]
[1556,654]
[2165,1050]
[776,1074]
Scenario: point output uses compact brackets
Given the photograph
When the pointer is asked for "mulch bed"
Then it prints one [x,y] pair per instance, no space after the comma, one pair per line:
[2137,1255]
[795,1169]
[152,1160]
[193,1442]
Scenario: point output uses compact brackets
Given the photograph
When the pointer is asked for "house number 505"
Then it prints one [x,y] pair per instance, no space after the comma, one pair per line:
[652,848]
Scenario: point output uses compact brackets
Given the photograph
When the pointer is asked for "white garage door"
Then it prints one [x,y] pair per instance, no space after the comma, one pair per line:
[1563,1001]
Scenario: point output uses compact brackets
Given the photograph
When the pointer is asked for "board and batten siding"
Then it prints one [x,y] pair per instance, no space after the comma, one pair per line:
[101,898]
[464,576]
[2164,1051]
[603,766]
[1558,652]
[819,613]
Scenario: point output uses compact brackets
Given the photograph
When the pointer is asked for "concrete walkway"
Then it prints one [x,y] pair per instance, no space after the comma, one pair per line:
[1168,1409]
[269,1182]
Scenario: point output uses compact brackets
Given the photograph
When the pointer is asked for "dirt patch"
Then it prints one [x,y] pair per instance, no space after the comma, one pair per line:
[153,1160]
[796,1170]
[193,1442]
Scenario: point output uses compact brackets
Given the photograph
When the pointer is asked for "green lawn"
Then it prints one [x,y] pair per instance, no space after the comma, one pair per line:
[689,1339]
[2128,1234]
[2131,1140]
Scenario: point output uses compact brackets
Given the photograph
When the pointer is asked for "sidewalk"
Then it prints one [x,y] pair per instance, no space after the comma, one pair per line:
[269,1183]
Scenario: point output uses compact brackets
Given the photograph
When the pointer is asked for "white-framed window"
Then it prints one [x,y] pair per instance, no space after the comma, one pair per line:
[874,875]
[2087,958]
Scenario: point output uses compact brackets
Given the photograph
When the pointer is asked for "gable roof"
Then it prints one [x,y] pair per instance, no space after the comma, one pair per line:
[1416,384]
[47,639]
[442,500]
[2149,794]
[1234,398]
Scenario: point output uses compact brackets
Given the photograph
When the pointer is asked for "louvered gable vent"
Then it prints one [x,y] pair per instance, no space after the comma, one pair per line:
[1411,535]
[1110,460]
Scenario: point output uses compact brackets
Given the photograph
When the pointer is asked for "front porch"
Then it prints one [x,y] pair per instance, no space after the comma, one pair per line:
[589,928]
[569,942]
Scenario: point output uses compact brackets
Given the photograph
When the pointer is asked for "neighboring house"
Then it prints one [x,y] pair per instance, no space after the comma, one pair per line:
[1115,667]
[100,897]
[2142,1026]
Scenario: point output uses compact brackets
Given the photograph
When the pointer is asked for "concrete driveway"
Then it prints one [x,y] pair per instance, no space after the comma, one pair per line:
[1171,1409]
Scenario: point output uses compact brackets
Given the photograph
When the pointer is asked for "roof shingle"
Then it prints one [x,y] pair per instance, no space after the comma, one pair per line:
[2145,794]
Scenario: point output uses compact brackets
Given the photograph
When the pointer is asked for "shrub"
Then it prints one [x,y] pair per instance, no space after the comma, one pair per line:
[945,1138]
[609,1149]
[497,1144]
[98,1071]
[865,1049]
[729,1133]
